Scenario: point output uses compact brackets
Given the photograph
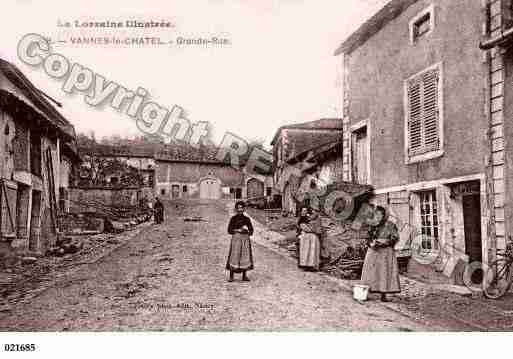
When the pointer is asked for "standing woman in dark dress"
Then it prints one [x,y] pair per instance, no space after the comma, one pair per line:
[240,257]
[159,211]
[380,269]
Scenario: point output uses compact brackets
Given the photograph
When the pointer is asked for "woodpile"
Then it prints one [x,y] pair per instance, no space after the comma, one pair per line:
[349,264]
[65,245]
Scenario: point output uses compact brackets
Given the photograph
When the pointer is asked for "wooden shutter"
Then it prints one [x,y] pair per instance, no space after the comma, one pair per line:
[430,110]
[423,113]
[414,116]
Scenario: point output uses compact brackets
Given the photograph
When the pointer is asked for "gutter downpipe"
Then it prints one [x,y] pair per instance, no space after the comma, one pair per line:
[497,40]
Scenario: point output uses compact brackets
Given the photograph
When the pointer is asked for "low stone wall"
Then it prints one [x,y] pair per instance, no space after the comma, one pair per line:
[84,199]
[80,223]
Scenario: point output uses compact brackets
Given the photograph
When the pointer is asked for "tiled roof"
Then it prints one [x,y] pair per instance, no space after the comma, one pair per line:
[321,124]
[299,142]
[187,153]
[119,151]
[37,97]
[388,13]
[321,151]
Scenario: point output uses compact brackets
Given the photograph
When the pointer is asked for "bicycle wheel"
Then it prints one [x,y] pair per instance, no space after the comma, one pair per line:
[498,279]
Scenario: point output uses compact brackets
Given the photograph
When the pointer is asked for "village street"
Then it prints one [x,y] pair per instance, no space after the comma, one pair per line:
[172,277]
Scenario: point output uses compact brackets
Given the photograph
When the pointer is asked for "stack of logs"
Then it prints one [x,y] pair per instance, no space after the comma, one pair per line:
[350,263]
[65,245]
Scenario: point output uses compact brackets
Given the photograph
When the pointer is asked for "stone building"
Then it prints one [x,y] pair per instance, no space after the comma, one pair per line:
[195,173]
[37,154]
[115,175]
[423,124]
[497,58]
[312,148]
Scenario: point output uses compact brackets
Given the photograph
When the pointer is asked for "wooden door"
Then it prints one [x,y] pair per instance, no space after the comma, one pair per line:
[210,189]
[35,220]
[22,208]
[472,226]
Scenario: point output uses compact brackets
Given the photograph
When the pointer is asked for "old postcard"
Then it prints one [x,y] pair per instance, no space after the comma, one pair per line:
[255,166]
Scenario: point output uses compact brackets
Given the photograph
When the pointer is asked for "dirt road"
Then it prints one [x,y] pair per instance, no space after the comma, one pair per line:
[171,277]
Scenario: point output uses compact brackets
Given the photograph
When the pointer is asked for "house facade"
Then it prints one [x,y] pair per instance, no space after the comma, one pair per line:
[311,148]
[195,173]
[37,153]
[419,126]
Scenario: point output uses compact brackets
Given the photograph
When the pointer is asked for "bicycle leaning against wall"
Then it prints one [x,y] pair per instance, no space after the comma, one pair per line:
[499,275]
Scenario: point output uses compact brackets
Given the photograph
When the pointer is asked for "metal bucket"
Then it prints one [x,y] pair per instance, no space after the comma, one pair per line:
[360,292]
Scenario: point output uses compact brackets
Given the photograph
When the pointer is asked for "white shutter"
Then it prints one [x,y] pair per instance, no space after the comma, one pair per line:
[423,113]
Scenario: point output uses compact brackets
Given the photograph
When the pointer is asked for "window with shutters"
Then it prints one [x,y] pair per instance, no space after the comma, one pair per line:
[423,123]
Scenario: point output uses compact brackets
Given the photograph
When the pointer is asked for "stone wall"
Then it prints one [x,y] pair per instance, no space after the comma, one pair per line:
[84,200]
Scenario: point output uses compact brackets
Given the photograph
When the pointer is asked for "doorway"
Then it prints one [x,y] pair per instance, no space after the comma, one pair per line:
[360,153]
[472,229]
[35,223]
[210,188]
[175,191]
[22,210]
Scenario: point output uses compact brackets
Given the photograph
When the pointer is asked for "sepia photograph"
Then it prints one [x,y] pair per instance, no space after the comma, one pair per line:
[294,169]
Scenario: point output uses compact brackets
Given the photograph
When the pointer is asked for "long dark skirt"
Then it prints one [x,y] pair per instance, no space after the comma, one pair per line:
[381,271]
[159,216]
[240,256]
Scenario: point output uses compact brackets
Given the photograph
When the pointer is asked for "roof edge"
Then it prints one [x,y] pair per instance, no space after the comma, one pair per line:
[372,26]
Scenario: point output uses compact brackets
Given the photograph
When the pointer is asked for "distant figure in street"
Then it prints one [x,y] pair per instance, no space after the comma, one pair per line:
[158,210]
[309,240]
[380,269]
[303,219]
[240,256]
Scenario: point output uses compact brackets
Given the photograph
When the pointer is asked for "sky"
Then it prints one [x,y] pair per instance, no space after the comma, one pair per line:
[278,68]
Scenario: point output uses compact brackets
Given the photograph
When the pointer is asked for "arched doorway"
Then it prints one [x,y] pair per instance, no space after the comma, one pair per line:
[210,188]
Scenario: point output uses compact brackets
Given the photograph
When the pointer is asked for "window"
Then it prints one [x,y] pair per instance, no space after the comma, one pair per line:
[422,24]
[423,115]
[163,191]
[184,189]
[429,220]
[268,191]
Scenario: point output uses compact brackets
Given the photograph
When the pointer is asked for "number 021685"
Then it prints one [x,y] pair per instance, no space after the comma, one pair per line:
[19,347]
